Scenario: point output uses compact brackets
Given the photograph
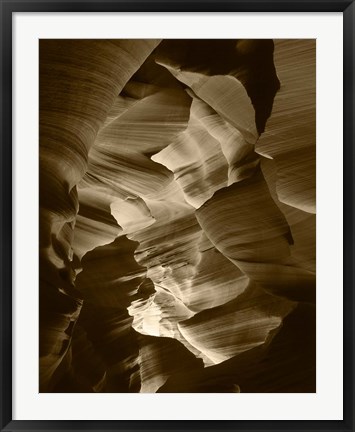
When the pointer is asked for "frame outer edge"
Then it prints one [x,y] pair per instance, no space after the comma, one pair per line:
[348,206]
[7,7]
[6,217]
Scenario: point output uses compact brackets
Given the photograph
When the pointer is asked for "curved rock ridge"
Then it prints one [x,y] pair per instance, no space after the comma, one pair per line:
[79,80]
[95,225]
[120,172]
[240,155]
[252,223]
[227,96]
[177,238]
[292,143]
[197,162]
[303,250]
[237,326]
[248,60]
[264,368]
[228,281]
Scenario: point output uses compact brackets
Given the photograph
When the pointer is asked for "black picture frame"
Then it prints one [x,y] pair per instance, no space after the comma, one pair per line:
[8,7]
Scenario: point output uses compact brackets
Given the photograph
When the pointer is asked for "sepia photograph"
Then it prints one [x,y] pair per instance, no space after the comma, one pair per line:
[177,216]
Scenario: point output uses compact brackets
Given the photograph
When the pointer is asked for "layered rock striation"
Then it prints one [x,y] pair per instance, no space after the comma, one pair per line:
[177,216]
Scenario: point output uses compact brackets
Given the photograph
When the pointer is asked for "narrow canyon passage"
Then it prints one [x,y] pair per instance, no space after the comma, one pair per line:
[177,216]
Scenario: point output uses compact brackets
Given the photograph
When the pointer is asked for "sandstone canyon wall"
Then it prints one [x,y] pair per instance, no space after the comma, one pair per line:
[177,216]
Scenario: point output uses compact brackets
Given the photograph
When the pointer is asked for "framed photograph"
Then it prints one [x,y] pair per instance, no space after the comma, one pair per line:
[177,215]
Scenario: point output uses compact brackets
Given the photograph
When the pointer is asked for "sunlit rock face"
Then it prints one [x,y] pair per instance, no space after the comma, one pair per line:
[177,216]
